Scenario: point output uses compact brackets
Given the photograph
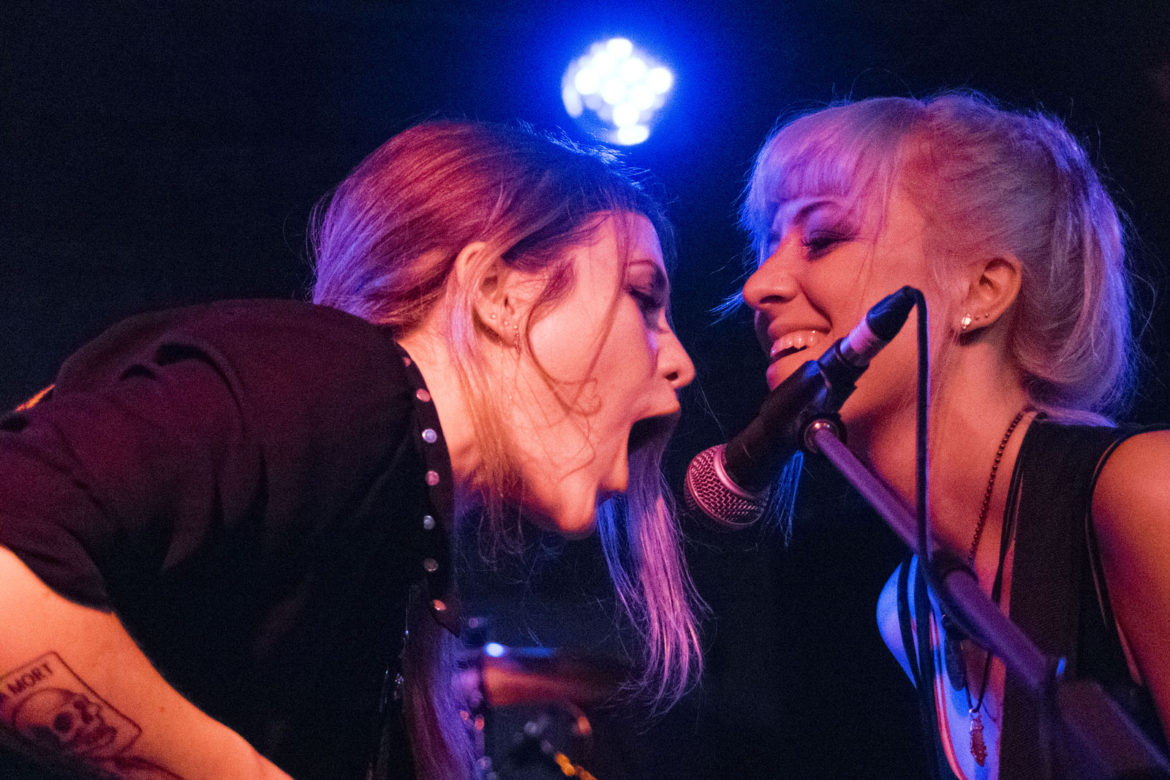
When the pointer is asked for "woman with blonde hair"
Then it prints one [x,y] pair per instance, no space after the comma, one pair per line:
[1001,221]
[226,534]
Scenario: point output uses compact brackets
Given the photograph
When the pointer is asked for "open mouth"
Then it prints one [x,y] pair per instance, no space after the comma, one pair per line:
[788,351]
[650,430]
[795,341]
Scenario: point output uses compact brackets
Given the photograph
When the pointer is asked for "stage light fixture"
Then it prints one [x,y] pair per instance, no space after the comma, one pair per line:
[616,92]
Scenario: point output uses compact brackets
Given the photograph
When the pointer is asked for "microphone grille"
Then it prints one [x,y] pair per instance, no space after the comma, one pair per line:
[708,489]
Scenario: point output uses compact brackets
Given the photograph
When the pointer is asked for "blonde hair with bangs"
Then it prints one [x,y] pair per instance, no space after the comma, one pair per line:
[989,179]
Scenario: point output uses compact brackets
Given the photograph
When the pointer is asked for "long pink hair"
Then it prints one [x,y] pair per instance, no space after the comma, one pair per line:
[385,244]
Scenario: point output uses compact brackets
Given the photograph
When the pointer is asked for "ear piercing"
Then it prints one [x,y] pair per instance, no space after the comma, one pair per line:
[968,320]
[506,324]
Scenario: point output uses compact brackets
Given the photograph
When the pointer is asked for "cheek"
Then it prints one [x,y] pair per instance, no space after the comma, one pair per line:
[892,377]
[761,328]
[563,348]
[631,347]
[646,343]
[570,343]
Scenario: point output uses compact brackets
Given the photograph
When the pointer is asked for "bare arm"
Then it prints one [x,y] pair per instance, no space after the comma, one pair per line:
[73,683]
[1131,514]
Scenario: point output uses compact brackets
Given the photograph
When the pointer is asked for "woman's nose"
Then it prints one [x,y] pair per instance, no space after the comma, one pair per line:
[674,361]
[772,281]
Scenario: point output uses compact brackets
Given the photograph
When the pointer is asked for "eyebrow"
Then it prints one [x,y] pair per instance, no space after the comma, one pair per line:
[813,204]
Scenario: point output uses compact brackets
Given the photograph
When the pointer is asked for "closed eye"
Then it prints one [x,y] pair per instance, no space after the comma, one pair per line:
[646,283]
[650,302]
[819,244]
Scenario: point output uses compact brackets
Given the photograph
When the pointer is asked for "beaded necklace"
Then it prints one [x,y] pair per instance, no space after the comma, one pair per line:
[952,648]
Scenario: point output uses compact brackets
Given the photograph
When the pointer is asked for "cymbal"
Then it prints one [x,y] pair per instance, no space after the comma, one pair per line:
[510,675]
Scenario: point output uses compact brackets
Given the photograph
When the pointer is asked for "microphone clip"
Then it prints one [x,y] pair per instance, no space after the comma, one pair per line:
[825,421]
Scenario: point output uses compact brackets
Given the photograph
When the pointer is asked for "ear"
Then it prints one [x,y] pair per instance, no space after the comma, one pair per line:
[487,281]
[992,287]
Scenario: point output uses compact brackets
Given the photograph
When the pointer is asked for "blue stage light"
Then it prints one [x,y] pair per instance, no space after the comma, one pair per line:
[616,92]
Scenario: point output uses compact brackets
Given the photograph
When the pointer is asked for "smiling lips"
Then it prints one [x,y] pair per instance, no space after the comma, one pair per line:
[794,341]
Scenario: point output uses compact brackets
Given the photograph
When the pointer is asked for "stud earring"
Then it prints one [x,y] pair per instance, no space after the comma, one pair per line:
[968,320]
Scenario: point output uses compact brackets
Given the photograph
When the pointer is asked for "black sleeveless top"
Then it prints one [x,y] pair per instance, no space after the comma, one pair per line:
[1058,594]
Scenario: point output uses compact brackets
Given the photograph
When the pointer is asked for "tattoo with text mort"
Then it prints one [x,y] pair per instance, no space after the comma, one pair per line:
[46,703]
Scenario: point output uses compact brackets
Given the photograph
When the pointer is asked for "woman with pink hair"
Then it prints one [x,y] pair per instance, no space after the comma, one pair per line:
[228,529]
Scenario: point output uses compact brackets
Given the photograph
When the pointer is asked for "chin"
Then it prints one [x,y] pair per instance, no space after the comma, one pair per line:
[571,522]
[776,374]
[578,532]
[576,526]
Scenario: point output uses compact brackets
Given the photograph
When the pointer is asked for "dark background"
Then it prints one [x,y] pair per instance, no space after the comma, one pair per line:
[161,153]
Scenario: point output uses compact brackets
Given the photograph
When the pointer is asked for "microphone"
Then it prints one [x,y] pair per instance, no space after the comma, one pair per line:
[729,483]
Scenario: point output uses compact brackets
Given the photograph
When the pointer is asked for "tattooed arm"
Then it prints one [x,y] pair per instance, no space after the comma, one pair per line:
[74,686]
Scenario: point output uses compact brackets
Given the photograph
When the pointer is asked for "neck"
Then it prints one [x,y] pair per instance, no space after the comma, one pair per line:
[967,426]
[437,366]
[961,474]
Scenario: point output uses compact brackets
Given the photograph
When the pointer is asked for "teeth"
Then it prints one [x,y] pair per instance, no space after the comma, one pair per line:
[796,341]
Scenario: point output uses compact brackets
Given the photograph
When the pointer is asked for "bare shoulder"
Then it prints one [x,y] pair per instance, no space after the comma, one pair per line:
[1132,496]
[1131,517]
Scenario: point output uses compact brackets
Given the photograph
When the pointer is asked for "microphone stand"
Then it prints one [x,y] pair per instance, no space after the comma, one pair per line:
[1107,743]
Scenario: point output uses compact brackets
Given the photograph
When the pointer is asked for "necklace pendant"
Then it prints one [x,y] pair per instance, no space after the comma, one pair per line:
[978,746]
